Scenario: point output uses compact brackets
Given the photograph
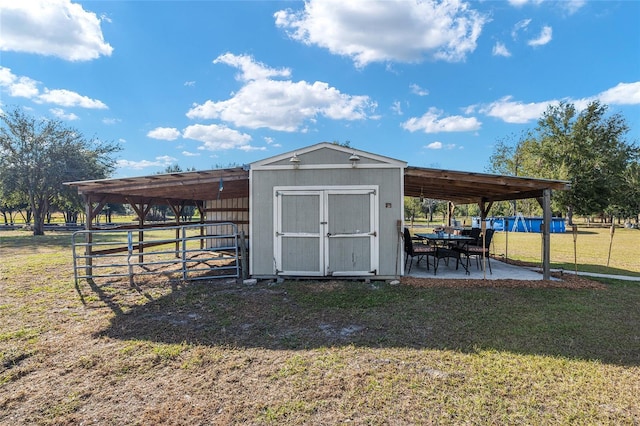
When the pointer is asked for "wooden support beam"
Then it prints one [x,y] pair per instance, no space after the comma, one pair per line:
[141,210]
[88,236]
[201,208]
[546,234]
[177,211]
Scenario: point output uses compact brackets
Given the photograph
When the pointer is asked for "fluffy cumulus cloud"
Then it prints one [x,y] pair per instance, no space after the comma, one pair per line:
[18,86]
[25,87]
[216,137]
[412,30]
[164,133]
[283,105]
[68,98]
[434,122]
[53,28]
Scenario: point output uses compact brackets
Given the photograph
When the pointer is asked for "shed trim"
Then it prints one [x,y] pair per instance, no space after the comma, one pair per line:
[384,162]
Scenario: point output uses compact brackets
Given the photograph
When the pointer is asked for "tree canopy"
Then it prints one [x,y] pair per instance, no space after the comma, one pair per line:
[587,148]
[38,155]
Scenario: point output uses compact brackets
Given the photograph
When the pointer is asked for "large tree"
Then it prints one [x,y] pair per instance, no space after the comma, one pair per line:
[38,155]
[587,148]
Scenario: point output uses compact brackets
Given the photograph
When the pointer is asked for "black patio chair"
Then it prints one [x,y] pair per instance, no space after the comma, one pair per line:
[418,250]
[478,250]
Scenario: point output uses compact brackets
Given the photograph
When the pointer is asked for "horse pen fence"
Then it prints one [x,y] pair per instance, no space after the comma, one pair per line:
[187,252]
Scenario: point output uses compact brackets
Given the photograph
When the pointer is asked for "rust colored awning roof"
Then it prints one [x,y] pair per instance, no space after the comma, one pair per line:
[468,187]
[171,187]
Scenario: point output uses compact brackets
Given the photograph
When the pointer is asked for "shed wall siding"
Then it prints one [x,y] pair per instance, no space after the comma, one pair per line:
[235,210]
[387,179]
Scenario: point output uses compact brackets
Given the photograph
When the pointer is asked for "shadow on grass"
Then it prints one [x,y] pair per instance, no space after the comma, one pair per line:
[585,324]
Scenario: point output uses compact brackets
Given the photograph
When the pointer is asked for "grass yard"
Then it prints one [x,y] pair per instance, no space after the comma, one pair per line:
[306,352]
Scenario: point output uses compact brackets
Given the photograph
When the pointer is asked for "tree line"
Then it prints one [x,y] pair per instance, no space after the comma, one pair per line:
[37,156]
[587,148]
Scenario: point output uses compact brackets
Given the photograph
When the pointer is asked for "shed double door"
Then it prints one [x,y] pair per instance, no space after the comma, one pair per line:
[326,232]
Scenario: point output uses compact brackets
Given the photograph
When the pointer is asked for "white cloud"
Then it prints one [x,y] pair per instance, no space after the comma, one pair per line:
[53,28]
[190,154]
[435,145]
[440,145]
[18,86]
[501,50]
[164,133]
[162,161]
[216,137]
[417,90]
[68,98]
[280,105]
[621,94]
[61,114]
[25,87]
[433,122]
[544,37]
[111,121]
[412,30]
[511,111]
[250,69]
[520,3]
[190,83]
[515,112]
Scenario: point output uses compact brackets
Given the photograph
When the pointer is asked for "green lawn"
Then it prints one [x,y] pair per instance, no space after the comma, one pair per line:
[309,352]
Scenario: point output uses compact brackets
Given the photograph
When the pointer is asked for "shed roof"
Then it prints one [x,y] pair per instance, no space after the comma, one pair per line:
[459,187]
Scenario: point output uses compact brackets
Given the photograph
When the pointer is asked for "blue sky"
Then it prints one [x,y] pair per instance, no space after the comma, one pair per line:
[208,84]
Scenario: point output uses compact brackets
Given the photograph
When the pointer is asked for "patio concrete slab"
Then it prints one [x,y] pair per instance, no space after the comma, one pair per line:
[501,271]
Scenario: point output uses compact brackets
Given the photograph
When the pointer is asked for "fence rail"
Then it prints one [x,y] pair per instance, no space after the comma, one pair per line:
[190,252]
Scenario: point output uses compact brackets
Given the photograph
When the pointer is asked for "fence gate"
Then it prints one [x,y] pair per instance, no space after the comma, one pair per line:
[189,252]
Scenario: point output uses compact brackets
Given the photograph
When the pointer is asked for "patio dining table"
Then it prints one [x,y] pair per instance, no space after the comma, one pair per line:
[447,246]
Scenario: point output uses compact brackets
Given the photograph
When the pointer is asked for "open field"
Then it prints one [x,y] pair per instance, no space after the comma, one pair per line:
[313,352]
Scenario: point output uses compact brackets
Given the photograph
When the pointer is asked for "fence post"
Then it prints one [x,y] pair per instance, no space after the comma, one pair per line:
[184,253]
[243,256]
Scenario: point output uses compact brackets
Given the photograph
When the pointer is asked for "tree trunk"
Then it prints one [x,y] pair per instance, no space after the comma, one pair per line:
[570,215]
[39,210]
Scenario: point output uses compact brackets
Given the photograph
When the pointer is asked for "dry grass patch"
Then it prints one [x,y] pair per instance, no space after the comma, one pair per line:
[310,352]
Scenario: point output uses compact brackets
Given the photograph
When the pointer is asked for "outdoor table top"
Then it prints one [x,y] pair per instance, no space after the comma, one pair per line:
[444,251]
[445,237]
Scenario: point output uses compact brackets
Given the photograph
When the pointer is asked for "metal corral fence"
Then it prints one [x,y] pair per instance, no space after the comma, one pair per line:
[189,252]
